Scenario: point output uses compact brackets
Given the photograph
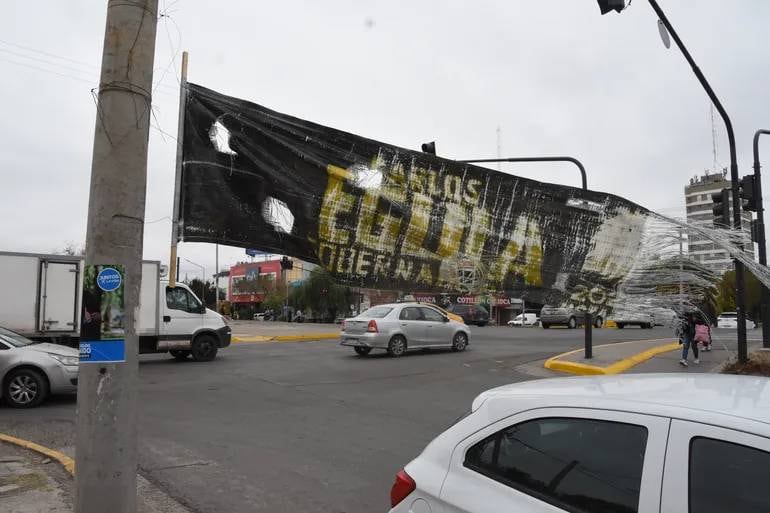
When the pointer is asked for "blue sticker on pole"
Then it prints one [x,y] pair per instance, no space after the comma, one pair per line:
[109,279]
[102,324]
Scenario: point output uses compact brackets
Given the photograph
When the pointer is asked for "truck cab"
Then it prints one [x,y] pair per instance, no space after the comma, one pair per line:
[186,327]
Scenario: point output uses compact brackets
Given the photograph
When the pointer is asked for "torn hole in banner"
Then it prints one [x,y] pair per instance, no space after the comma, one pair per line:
[275,212]
[219,136]
[366,178]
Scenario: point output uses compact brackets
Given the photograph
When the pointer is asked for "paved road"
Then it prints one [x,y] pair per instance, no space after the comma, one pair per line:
[305,426]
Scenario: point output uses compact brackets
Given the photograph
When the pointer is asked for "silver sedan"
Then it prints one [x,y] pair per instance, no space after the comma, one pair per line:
[29,371]
[401,326]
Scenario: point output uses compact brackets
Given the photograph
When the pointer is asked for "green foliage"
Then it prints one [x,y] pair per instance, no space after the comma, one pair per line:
[726,295]
[274,300]
[321,294]
[206,292]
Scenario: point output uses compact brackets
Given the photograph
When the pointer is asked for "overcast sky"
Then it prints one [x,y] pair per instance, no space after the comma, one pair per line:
[556,77]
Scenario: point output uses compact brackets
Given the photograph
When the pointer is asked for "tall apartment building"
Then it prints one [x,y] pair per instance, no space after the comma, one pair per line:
[697,196]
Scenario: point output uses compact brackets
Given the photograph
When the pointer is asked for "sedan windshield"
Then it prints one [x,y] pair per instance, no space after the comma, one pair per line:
[14,339]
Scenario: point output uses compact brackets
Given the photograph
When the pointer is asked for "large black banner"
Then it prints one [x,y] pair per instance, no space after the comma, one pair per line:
[385,217]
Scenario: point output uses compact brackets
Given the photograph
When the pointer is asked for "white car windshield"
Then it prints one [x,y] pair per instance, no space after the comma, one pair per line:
[14,339]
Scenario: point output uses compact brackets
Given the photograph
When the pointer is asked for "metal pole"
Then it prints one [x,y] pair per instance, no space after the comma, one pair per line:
[740,281]
[681,271]
[216,278]
[765,300]
[178,173]
[106,432]
[537,159]
[587,321]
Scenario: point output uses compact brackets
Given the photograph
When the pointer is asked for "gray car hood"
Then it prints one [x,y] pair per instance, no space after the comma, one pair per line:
[53,348]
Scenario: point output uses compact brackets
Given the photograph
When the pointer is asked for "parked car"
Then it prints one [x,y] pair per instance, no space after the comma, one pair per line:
[569,317]
[471,314]
[643,320]
[261,316]
[525,319]
[730,320]
[398,327]
[30,371]
[600,444]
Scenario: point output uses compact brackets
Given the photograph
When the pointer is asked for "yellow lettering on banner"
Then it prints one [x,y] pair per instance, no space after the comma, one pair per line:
[335,201]
[451,231]
[418,225]
[525,237]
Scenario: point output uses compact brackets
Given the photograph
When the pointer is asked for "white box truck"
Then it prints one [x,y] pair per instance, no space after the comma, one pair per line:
[41,294]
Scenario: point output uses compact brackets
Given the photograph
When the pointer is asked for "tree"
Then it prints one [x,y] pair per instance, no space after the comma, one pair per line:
[726,296]
[321,294]
[71,249]
[208,289]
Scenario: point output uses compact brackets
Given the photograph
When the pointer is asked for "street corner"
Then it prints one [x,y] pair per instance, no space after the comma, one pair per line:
[31,482]
[610,358]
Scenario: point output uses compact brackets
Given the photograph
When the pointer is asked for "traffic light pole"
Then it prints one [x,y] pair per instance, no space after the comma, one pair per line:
[765,300]
[740,280]
[587,321]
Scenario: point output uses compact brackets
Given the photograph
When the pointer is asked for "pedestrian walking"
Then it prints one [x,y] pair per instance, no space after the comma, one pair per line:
[687,339]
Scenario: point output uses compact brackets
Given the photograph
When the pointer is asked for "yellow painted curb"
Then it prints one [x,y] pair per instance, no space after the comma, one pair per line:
[610,324]
[618,367]
[311,336]
[66,462]
[285,338]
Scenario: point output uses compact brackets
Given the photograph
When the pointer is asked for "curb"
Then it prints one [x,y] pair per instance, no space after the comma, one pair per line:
[65,461]
[286,338]
[617,367]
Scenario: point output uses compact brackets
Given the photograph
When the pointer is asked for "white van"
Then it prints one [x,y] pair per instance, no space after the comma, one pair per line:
[41,300]
[525,319]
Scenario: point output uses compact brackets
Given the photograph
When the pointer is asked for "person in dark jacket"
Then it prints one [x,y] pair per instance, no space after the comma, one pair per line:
[687,337]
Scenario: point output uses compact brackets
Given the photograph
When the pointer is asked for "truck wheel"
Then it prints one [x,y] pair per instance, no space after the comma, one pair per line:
[204,348]
[25,388]
[545,325]
[179,354]
[572,324]
[621,326]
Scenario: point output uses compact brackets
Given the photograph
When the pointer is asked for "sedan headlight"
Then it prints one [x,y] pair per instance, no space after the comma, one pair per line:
[65,360]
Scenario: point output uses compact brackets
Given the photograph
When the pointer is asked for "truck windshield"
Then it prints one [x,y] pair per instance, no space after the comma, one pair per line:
[14,339]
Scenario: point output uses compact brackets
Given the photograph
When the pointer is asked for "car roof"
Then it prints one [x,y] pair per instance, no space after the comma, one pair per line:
[697,397]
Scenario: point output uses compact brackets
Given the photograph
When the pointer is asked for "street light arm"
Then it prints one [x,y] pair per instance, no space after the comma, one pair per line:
[701,78]
[537,159]
[756,146]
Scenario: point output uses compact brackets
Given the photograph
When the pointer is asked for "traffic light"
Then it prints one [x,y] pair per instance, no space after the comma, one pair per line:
[287,264]
[611,5]
[721,208]
[748,190]
[429,147]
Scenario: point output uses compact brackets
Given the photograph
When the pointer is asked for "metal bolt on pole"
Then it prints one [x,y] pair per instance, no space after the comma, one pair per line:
[106,433]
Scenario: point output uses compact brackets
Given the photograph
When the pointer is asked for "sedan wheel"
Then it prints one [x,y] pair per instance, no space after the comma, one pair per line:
[362,351]
[397,346]
[460,342]
[25,388]
[598,322]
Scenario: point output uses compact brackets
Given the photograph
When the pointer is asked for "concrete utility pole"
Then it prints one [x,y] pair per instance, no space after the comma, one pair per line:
[106,412]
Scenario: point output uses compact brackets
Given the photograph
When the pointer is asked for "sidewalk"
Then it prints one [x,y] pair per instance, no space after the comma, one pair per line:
[610,358]
[270,331]
[33,483]
[642,356]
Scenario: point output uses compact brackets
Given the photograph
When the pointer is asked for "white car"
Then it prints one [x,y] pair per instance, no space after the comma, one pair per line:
[525,319]
[730,320]
[646,443]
